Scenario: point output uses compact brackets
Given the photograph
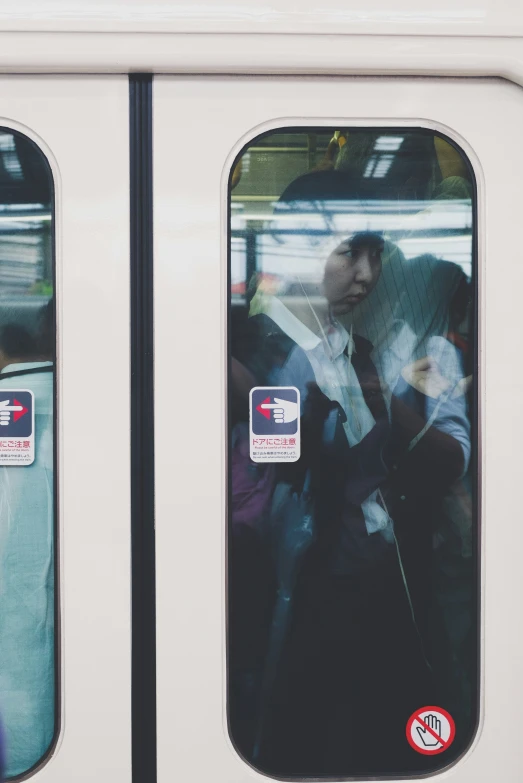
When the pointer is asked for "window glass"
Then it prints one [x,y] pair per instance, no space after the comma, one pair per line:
[27,455]
[352,533]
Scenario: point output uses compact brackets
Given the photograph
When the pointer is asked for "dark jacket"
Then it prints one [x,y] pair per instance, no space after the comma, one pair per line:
[342,477]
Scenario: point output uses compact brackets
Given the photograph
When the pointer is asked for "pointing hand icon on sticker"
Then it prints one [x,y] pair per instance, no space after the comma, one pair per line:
[284,411]
[435,724]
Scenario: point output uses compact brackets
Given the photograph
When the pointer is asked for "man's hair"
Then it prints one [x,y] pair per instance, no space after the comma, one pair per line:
[17,342]
[366,239]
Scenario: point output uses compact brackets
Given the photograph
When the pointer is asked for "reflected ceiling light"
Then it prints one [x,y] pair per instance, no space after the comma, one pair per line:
[25,218]
[388,143]
[370,167]
[382,166]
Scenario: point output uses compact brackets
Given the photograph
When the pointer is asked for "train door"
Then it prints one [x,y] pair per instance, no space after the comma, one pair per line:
[65,688]
[338,427]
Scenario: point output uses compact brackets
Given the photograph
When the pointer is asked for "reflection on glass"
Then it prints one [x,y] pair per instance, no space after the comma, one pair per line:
[27,493]
[352,571]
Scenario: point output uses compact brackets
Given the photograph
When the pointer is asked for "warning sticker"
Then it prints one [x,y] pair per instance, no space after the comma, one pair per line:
[16,427]
[431,730]
[274,423]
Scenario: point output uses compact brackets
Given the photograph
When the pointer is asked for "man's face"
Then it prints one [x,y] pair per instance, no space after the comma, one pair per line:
[350,275]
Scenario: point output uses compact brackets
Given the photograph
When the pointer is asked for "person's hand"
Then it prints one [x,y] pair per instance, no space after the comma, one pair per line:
[424,376]
[463,386]
[329,159]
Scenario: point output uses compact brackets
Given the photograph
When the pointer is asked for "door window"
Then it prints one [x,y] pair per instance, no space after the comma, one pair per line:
[352,540]
[27,453]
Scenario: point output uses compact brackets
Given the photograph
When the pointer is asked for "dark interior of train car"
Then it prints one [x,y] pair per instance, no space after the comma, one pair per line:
[311,604]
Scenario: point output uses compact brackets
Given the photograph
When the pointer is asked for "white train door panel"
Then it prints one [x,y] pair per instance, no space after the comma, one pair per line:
[65,541]
[415,177]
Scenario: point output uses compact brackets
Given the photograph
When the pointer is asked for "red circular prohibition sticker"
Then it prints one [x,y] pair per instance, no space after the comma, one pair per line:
[431,730]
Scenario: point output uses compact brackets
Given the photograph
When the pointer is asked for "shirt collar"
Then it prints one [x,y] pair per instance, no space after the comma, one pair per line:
[336,334]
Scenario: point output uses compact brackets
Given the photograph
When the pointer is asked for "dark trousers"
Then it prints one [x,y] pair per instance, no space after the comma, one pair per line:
[351,675]
[251,602]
